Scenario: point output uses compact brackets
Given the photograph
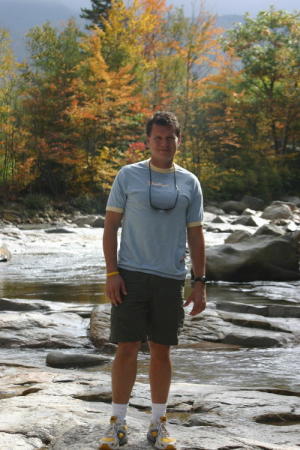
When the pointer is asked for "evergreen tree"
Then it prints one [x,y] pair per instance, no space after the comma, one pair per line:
[97,13]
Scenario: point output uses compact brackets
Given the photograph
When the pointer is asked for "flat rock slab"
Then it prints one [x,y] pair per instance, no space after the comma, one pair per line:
[63,411]
[39,330]
[216,327]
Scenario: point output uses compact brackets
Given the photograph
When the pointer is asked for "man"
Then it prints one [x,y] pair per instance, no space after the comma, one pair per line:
[160,204]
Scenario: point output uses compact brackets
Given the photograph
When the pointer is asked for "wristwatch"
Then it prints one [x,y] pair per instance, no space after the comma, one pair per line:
[202,279]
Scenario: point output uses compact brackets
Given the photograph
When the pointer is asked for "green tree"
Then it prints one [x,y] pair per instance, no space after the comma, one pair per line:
[12,135]
[54,57]
[99,11]
[269,50]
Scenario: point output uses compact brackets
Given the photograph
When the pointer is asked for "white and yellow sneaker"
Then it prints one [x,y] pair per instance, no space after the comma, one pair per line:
[159,436]
[115,435]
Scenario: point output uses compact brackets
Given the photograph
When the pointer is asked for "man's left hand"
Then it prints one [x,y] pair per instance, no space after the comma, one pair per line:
[198,298]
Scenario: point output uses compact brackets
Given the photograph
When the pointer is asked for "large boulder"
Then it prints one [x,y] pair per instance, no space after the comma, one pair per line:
[258,258]
[277,211]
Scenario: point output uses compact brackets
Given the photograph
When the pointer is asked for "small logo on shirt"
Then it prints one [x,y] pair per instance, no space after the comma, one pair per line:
[159,184]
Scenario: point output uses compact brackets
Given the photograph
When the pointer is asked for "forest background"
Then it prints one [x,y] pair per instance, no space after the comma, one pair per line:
[74,112]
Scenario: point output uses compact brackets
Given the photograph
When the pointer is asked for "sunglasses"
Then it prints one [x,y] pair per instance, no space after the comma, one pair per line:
[159,208]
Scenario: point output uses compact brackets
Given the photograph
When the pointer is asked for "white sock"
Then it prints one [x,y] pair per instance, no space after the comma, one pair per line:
[119,410]
[158,410]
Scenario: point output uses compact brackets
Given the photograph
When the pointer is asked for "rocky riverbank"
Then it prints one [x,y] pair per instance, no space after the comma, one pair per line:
[59,410]
[54,404]
[55,356]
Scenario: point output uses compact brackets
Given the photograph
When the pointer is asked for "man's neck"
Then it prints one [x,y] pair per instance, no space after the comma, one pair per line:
[161,164]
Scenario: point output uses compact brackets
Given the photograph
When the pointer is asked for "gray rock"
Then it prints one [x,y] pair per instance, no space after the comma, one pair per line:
[100,325]
[214,210]
[291,205]
[210,329]
[219,219]
[269,229]
[291,227]
[82,221]
[237,236]
[233,206]
[74,360]
[99,222]
[7,304]
[253,202]
[33,329]
[263,310]
[249,212]
[247,220]
[204,420]
[258,258]
[258,340]
[59,230]
[275,211]
[59,414]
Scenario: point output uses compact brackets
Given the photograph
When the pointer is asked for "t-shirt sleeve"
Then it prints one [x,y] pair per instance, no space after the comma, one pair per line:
[117,197]
[195,209]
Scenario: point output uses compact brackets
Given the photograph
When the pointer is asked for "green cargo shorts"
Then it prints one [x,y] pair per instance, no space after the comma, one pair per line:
[152,309]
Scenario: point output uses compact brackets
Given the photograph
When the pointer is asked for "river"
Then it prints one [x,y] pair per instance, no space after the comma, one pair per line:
[70,268]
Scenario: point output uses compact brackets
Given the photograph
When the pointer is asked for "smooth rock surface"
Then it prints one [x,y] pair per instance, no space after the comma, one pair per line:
[246,329]
[258,258]
[74,360]
[274,212]
[62,412]
[33,329]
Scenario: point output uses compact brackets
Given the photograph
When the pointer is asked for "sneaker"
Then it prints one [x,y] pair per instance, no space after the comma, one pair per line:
[115,435]
[159,436]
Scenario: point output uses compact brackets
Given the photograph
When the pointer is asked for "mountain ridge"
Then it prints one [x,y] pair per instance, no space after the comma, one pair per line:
[18,18]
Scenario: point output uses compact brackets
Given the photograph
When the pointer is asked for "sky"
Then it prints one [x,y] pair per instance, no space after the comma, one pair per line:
[215,6]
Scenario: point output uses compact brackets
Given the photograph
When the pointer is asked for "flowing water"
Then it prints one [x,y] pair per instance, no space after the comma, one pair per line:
[70,268]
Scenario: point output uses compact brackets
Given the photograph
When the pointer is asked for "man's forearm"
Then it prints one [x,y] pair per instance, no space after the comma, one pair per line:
[110,248]
[197,250]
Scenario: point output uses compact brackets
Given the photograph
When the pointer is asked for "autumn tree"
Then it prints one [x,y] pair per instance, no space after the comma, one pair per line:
[106,113]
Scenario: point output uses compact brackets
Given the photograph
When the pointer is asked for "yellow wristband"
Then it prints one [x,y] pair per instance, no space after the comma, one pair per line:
[110,274]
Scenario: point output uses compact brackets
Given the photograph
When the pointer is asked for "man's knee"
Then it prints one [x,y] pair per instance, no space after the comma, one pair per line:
[159,351]
[128,349]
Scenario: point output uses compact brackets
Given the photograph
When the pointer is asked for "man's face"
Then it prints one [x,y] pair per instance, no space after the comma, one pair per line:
[163,144]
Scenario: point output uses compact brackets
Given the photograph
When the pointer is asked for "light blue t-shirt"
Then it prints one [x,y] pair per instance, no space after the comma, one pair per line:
[153,240]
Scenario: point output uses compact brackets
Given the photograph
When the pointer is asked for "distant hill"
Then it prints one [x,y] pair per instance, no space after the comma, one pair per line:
[19,16]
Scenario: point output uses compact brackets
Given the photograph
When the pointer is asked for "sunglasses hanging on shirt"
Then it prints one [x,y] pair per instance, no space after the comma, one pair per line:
[170,198]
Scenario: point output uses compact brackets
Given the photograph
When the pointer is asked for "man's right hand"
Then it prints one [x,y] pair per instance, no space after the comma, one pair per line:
[115,289]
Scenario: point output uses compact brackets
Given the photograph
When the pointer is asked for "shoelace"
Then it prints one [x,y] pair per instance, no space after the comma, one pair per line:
[162,429]
[112,430]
